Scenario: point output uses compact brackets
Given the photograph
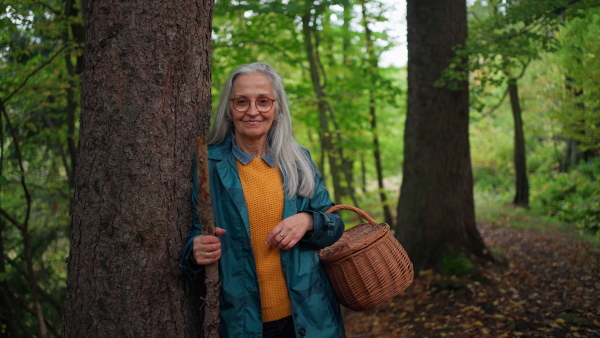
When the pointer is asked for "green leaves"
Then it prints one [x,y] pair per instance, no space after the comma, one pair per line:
[504,37]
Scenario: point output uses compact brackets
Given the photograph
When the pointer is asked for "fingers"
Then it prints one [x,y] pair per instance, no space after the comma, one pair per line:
[207,248]
[290,231]
[287,241]
[219,231]
[278,237]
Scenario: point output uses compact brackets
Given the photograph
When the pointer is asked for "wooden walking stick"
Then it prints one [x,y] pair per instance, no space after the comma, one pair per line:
[207,221]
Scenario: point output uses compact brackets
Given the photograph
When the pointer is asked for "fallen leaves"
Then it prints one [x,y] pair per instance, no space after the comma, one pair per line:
[551,288]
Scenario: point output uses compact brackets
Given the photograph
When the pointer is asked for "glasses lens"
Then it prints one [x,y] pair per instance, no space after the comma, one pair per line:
[241,104]
[263,104]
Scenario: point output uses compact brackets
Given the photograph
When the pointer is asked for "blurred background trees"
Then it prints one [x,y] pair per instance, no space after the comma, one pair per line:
[349,110]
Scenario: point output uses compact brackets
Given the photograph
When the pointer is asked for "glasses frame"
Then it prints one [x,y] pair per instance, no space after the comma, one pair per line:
[255,105]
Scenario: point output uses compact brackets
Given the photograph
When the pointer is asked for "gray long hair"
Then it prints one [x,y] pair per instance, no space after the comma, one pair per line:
[298,170]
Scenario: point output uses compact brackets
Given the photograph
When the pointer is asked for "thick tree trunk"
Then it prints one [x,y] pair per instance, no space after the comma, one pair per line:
[522,183]
[436,209]
[145,97]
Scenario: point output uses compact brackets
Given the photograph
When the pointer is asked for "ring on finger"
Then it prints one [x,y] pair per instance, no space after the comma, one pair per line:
[281,234]
[209,254]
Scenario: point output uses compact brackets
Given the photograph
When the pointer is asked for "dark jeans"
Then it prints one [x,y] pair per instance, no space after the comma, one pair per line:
[282,328]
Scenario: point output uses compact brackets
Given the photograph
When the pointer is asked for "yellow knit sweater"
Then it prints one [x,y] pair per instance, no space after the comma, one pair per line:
[263,191]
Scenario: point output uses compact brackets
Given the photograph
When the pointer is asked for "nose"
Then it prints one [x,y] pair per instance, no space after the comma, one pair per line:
[252,110]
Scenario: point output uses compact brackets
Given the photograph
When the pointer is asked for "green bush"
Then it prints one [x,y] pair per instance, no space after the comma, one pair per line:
[494,183]
[572,197]
[456,264]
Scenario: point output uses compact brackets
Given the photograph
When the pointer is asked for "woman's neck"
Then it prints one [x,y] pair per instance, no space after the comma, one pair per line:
[255,148]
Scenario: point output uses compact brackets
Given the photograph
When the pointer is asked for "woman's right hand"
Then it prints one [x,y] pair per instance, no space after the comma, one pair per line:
[207,248]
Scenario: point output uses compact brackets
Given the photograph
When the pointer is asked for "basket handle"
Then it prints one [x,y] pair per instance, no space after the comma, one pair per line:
[356,210]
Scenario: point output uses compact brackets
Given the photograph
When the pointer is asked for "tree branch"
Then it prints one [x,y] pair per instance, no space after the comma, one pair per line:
[31,311]
[44,64]
[269,44]
[57,305]
[43,329]
[10,218]
[497,105]
[61,151]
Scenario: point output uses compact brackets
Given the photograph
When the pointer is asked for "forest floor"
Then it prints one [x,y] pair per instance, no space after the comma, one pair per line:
[550,288]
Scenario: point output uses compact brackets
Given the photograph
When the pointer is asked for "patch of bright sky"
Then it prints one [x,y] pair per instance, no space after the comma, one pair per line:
[395,26]
[22,22]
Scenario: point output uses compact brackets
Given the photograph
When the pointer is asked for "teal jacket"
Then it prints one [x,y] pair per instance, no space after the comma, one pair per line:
[315,309]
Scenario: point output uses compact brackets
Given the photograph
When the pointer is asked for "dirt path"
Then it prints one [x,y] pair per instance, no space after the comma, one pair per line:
[550,289]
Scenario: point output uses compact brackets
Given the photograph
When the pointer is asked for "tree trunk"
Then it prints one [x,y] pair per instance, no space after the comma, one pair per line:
[10,312]
[522,183]
[326,136]
[436,209]
[363,174]
[76,30]
[24,228]
[372,71]
[145,97]
[571,156]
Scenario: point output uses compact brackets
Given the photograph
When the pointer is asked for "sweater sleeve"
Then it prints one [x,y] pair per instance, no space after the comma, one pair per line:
[189,268]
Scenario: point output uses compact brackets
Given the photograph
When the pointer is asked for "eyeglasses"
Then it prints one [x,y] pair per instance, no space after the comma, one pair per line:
[262,104]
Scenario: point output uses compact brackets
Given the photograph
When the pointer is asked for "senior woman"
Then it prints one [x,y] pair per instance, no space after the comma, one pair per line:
[268,203]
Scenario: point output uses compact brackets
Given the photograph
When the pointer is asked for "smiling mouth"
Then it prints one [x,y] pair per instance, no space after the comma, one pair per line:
[252,122]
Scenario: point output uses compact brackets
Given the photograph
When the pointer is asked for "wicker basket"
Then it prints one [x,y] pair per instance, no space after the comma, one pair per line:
[366,266]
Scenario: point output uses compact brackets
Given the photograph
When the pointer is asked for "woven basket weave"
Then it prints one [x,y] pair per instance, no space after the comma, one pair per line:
[366,266]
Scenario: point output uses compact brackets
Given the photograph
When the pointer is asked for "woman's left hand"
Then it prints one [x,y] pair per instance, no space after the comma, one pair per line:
[290,231]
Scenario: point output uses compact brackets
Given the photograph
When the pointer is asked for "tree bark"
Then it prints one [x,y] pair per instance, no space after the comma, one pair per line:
[436,208]
[145,97]
[520,158]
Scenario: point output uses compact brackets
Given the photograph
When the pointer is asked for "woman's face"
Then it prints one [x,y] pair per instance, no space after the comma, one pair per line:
[252,126]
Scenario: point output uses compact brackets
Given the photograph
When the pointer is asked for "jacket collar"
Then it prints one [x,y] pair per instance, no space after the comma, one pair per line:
[224,149]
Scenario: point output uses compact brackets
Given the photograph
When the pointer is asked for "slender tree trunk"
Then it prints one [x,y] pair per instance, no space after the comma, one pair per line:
[23,227]
[76,30]
[436,208]
[571,155]
[346,31]
[373,70]
[9,311]
[522,184]
[326,136]
[145,97]
[347,164]
[363,174]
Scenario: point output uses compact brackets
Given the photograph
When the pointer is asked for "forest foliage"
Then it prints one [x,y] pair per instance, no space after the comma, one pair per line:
[325,56]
